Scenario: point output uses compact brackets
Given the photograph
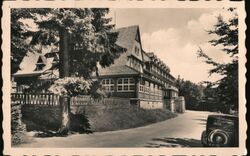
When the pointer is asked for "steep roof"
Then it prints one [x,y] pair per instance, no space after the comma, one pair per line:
[126,37]
[146,58]
[28,64]
[117,70]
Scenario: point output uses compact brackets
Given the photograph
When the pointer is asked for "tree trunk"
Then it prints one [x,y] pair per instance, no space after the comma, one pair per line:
[64,53]
[65,112]
[64,72]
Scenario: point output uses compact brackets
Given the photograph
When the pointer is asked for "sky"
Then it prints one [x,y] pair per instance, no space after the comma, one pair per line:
[175,35]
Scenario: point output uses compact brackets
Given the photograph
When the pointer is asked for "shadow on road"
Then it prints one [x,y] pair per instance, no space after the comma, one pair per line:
[202,121]
[174,142]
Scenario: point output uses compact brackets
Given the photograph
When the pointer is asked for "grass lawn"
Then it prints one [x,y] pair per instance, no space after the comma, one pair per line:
[117,119]
[111,119]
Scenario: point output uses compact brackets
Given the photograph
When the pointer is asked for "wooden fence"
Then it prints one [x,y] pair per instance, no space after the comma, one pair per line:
[46,99]
[50,99]
[80,100]
[35,99]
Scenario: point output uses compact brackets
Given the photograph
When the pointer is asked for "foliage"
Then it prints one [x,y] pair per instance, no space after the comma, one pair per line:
[71,86]
[226,91]
[96,91]
[20,34]
[192,93]
[92,41]
[105,50]
[80,123]
[208,100]
[36,85]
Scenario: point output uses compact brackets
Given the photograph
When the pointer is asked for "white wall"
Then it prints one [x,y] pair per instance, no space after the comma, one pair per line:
[151,105]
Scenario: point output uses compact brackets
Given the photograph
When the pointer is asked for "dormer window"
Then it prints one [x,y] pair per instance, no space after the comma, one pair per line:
[39,67]
[41,62]
[137,50]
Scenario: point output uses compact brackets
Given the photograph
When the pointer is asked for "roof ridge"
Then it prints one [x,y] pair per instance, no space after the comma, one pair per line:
[124,27]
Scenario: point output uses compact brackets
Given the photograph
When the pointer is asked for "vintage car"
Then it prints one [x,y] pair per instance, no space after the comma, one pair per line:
[221,131]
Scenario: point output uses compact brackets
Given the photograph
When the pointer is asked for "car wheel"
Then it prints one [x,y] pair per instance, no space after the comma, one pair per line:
[218,138]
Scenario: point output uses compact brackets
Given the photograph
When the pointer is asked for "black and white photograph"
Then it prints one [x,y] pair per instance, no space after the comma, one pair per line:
[126,77]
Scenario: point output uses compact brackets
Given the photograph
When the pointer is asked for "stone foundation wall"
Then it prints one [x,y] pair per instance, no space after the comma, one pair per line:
[175,105]
[97,107]
[41,117]
[180,104]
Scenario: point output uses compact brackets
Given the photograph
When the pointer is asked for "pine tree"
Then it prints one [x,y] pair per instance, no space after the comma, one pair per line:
[91,35]
[20,34]
[105,50]
[227,87]
[85,34]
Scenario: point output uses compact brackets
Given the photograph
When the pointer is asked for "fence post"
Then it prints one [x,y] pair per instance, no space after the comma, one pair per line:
[65,114]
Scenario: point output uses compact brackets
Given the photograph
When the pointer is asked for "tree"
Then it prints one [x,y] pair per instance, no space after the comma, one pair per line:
[20,35]
[92,38]
[226,87]
[209,99]
[191,92]
[85,39]
[105,50]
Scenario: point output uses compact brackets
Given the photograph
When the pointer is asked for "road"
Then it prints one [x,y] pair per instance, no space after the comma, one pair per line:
[182,131]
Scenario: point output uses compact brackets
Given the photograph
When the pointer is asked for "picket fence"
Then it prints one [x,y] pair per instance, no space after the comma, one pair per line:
[46,99]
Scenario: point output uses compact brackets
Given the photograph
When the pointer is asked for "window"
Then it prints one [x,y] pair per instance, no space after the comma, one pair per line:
[41,62]
[142,86]
[156,89]
[135,64]
[167,93]
[146,87]
[137,50]
[108,85]
[125,84]
[39,67]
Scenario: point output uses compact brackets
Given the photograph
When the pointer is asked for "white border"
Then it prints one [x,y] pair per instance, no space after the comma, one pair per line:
[121,151]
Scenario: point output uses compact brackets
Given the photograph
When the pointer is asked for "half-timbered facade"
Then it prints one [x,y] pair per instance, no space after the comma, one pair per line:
[137,74]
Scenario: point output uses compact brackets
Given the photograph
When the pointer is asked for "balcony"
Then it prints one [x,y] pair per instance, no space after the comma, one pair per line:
[160,76]
[172,88]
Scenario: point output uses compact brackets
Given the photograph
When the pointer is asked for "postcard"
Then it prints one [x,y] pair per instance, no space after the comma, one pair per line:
[124,78]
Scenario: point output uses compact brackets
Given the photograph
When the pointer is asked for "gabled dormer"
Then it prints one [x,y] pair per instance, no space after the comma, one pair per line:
[137,47]
[129,39]
[41,63]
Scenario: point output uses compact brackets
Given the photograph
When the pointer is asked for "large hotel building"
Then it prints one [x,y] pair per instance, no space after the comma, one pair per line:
[136,74]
